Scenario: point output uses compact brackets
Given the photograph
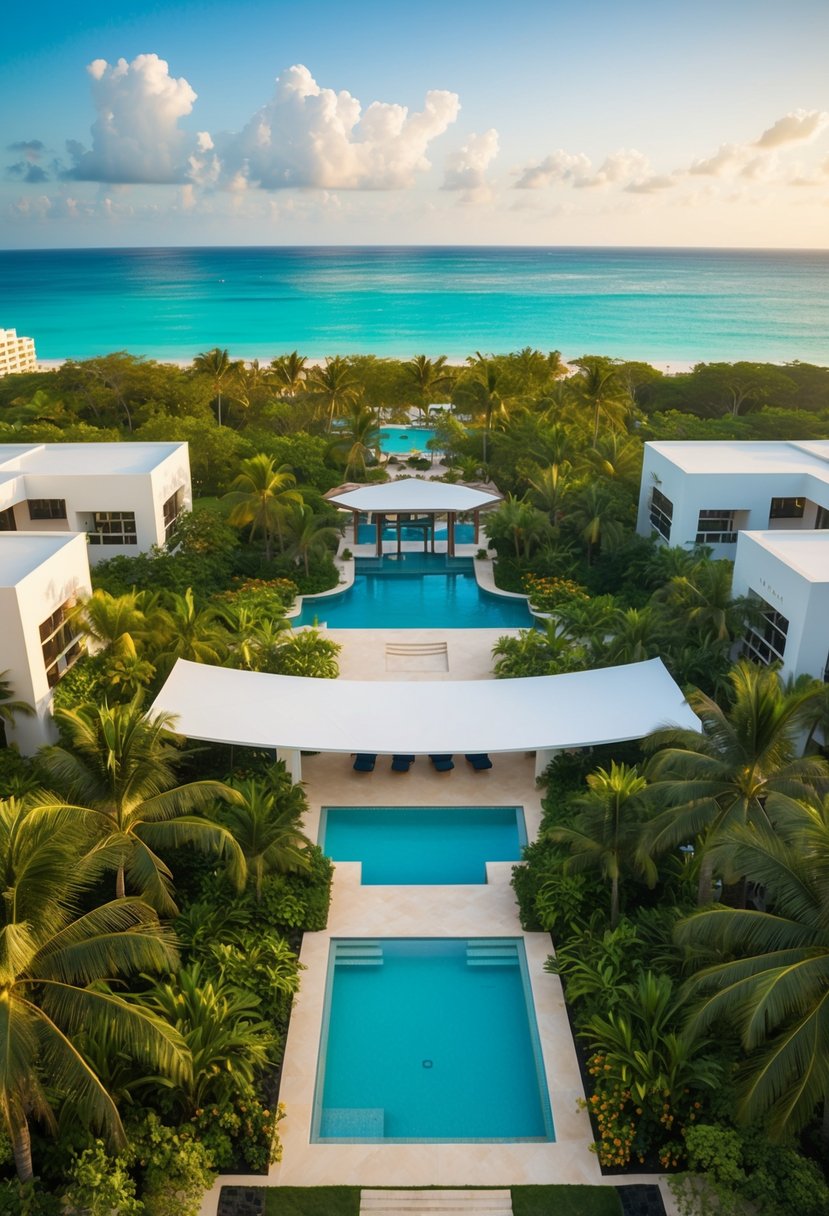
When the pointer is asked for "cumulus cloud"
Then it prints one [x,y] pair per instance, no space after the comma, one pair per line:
[136,136]
[307,135]
[796,127]
[621,167]
[559,166]
[466,169]
[27,169]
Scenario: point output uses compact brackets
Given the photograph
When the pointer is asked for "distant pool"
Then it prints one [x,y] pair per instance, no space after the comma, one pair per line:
[416,591]
[403,440]
[429,1040]
[411,845]
[367,534]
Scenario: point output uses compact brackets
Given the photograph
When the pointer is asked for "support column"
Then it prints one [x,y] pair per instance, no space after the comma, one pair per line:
[378,523]
[450,534]
[293,762]
[356,521]
[476,516]
[543,757]
[434,519]
[399,537]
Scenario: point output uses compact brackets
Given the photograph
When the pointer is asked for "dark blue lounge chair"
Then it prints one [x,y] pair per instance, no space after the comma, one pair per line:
[479,761]
[442,764]
[364,763]
[401,764]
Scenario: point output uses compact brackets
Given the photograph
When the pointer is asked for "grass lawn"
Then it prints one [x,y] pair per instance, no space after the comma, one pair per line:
[526,1201]
[565,1201]
[312,1201]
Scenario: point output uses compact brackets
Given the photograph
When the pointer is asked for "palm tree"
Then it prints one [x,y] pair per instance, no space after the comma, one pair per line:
[702,598]
[774,977]
[360,438]
[482,392]
[106,619]
[549,488]
[599,387]
[260,496]
[117,773]
[217,365]
[191,633]
[636,634]
[430,377]
[253,637]
[309,654]
[740,768]
[310,537]
[50,960]
[519,524]
[607,830]
[594,513]
[333,387]
[266,825]
[289,373]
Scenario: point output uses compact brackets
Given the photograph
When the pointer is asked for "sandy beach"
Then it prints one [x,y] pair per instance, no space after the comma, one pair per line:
[674,367]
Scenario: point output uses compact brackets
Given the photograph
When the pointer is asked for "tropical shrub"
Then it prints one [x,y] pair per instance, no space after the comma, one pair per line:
[174,1167]
[547,592]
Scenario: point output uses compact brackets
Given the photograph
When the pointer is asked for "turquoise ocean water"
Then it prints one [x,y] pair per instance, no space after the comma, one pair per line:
[656,304]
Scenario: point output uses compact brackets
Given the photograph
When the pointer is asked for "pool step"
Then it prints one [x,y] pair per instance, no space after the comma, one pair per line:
[432,1202]
[491,952]
[358,954]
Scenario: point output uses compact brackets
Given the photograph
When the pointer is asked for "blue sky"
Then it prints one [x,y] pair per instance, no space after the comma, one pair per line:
[518,123]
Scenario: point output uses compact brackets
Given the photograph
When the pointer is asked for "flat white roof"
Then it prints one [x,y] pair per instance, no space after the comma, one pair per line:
[573,710]
[83,459]
[735,456]
[805,552]
[22,552]
[411,494]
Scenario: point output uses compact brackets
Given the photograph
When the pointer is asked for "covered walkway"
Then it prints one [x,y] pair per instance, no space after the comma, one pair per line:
[540,714]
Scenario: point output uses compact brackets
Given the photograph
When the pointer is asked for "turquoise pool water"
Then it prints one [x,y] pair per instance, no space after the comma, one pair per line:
[464,534]
[430,1040]
[412,845]
[416,591]
[403,440]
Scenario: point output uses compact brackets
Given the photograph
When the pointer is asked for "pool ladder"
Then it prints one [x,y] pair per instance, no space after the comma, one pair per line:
[491,952]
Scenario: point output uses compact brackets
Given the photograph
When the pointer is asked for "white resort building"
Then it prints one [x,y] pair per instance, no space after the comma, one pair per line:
[62,507]
[16,354]
[125,496]
[765,506]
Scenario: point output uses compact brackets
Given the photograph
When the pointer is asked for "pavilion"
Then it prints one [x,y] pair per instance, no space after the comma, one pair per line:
[541,714]
[409,502]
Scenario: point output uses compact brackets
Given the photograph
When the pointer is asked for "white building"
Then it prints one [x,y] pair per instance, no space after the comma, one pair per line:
[787,573]
[16,354]
[41,577]
[125,496]
[707,492]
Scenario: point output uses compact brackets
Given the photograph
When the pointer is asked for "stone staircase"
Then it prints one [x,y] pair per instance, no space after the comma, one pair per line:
[435,1203]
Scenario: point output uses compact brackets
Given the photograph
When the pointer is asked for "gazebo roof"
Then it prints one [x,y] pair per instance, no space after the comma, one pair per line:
[572,710]
[412,494]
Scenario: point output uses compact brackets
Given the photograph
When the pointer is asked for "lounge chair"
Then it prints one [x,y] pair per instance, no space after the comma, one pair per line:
[479,761]
[401,764]
[364,763]
[442,764]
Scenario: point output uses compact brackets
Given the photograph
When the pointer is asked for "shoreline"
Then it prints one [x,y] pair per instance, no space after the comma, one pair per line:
[668,366]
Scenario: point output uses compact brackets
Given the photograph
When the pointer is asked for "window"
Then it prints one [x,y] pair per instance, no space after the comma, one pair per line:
[765,642]
[172,510]
[7,521]
[47,508]
[822,518]
[661,513]
[787,508]
[716,528]
[114,528]
[60,642]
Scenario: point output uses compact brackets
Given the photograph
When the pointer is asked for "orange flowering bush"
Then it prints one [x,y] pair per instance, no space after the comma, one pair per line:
[548,593]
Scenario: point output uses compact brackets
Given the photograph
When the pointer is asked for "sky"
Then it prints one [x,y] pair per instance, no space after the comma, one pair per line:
[524,122]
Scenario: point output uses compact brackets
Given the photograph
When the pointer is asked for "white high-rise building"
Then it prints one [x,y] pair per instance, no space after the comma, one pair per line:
[16,354]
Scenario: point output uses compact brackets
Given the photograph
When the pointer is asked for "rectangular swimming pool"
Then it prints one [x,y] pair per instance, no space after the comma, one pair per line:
[428,845]
[429,1039]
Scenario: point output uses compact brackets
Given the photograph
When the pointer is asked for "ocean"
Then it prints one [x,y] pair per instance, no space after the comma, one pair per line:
[666,306]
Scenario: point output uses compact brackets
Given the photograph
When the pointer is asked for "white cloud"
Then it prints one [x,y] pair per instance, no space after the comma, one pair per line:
[136,136]
[559,166]
[796,127]
[726,157]
[307,135]
[621,167]
[466,169]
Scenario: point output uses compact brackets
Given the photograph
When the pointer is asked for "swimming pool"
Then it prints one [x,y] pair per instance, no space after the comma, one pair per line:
[403,440]
[412,845]
[464,534]
[416,591]
[429,1039]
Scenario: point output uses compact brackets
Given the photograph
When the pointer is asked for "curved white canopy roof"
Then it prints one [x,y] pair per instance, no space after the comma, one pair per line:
[573,710]
[410,494]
